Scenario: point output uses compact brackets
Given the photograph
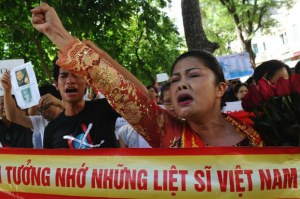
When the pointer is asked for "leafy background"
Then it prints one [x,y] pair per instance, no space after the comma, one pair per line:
[137,33]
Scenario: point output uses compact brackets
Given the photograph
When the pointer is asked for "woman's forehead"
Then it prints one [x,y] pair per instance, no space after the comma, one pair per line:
[189,62]
[187,68]
[243,87]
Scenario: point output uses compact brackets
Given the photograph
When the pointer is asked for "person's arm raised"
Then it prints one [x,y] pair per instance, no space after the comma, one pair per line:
[99,70]
[128,75]
[11,110]
[45,20]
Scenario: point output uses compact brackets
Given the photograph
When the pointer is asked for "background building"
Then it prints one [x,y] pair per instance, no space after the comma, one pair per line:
[281,42]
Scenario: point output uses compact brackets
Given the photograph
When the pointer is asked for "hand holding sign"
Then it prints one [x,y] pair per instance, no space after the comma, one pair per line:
[25,86]
[5,83]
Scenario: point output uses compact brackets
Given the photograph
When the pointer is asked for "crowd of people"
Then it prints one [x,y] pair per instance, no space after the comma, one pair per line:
[185,113]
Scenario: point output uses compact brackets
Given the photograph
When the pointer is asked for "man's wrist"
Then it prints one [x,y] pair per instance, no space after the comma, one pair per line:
[60,37]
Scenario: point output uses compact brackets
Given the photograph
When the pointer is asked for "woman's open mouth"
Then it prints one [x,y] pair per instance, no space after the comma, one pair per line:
[184,99]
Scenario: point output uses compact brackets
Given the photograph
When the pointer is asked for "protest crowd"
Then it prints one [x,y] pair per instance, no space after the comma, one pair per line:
[95,102]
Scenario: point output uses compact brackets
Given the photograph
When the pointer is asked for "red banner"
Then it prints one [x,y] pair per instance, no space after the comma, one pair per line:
[211,172]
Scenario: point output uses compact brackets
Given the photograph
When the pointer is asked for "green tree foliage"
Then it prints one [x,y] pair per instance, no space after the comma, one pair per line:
[219,26]
[135,32]
[248,17]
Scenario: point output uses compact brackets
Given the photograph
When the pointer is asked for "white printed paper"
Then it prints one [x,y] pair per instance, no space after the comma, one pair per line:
[232,107]
[7,65]
[25,86]
[236,65]
[162,77]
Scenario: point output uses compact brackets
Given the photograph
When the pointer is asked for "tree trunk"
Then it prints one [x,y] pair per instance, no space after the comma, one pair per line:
[246,44]
[246,40]
[248,48]
[193,29]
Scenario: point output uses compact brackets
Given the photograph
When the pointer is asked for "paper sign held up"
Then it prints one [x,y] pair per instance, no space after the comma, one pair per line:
[7,65]
[236,65]
[161,77]
[25,86]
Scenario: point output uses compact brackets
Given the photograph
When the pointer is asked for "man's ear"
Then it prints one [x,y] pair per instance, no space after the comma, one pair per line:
[221,89]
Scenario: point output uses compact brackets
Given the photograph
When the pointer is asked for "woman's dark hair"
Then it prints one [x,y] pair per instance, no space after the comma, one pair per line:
[208,59]
[164,88]
[238,86]
[269,68]
[249,81]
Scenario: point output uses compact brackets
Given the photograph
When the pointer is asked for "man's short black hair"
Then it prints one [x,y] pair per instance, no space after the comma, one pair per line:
[49,88]
[55,71]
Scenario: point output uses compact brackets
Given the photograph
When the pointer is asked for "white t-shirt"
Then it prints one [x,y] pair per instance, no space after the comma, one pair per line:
[39,124]
[131,138]
[119,123]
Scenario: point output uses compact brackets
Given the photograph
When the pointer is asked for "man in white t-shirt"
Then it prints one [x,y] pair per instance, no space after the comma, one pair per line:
[49,108]
[129,138]
[38,126]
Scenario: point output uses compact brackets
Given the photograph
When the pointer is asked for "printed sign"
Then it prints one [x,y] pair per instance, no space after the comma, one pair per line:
[232,106]
[209,172]
[25,86]
[162,77]
[236,65]
[7,65]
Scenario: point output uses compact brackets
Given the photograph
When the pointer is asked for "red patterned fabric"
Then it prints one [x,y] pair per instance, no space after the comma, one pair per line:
[242,116]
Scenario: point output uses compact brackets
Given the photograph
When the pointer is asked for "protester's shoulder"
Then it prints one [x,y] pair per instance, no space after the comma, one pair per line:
[96,105]
[60,119]
[97,102]
[120,122]
[101,104]
[241,117]
[127,128]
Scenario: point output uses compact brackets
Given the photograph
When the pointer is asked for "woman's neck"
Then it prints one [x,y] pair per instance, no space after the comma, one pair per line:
[217,132]
[210,127]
